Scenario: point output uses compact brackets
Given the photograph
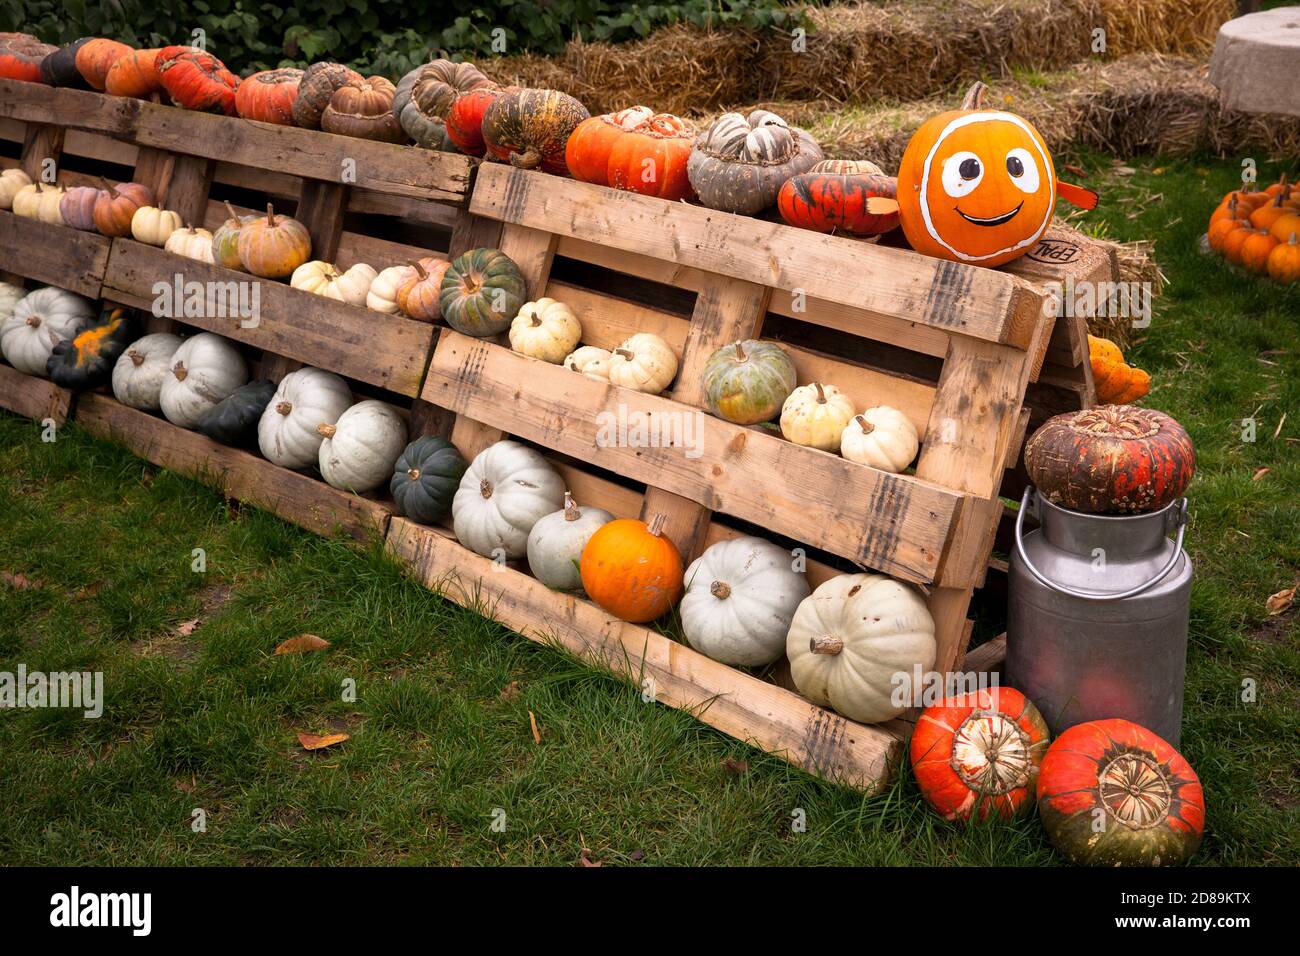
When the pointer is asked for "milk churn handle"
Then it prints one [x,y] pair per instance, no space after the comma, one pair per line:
[1179,514]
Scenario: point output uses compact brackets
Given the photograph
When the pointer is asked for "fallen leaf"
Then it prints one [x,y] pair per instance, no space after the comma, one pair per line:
[636,856]
[89,590]
[1277,431]
[586,859]
[1260,473]
[317,742]
[1279,602]
[1076,170]
[537,734]
[736,766]
[186,628]
[302,644]
[19,582]
[510,691]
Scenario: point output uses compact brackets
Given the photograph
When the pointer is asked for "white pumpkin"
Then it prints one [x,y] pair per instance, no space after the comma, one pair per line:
[591,361]
[27,201]
[47,205]
[153,225]
[815,415]
[287,432]
[546,330]
[39,321]
[382,294]
[555,544]
[141,370]
[359,449]
[324,279]
[507,489]
[191,243]
[10,296]
[881,437]
[12,180]
[856,642]
[205,369]
[644,362]
[741,595]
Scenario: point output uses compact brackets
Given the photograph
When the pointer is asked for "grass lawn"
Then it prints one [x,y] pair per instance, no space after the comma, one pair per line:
[97,555]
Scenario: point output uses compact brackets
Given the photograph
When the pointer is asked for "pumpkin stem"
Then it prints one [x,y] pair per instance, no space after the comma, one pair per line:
[234,216]
[419,270]
[866,426]
[180,371]
[136,357]
[657,524]
[1293,242]
[821,393]
[537,320]
[571,512]
[740,352]
[108,187]
[974,99]
[270,216]
[529,159]
[413,474]
[326,430]
[35,320]
[826,644]
[284,408]
[485,488]
[720,590]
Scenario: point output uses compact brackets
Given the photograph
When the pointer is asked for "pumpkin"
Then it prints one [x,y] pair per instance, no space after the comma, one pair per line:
[268,96]
[1117,382]
[748,382]
[1112,793]
[233,420]
[323,278]
[465,120]
[288,433]
[60,67]
[10,296]
[359,449]
[424,97]
[363,108]
[191,243]
[978,754]
[482,291]
[881,437]
[154,226]
[741,595]
[1219,229]
[12,180]
[1235,240]
[225,241]
[1264,216]
[1230,208]
[205,369]
[86,361]
[852,640]
[41,320]
[816,415]
[1284,261]
[116,205]
[77,207]
[382,294]
[196,80]
[833,195]
[316,89]
[21,55]
[506,490]
[740,162]
[634,149]
[141,370]
[425,479]
[96,57]
[587,151]
[1283,226]
[632,569]
[419,293]
[591,361]
[134,74]
[556,543]
[41,201]
[644,363]
[1255,251]
[27,200]
[546,330]
[1113,458]
[273,246]
[529,128]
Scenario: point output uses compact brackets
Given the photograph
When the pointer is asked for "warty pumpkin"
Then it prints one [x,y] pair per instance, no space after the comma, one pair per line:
[288,433]
[316,89]
[140,371]
[424,98]
[196,80]
[205,369]
[39,321]
[134,74]
[358,450]
[557,540]
[12,180]
[635,149]
[815,415]
[530,128]
[273,246]
[739,163]
[363,108]
[86,361]
[546,330]
[1117,382]
[482,292]
[268,96]
[632,569]
[833,196]
[21,55]
[425,478]
[507,489]
[748,382]
[1284,261]
[465,120]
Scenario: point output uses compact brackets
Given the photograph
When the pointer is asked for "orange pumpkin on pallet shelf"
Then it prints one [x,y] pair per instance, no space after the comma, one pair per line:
[21,55]
[269,96]
[1255,251]
[196,80]
[134,74]
[1117,382]
[419,294]
[631,570]
[833,197]
[96,58]
[115,206]
[635,149]
[273,246]
[1284,261]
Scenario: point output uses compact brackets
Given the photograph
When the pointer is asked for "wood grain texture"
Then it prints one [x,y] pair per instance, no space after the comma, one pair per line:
[32,397]
[54,255]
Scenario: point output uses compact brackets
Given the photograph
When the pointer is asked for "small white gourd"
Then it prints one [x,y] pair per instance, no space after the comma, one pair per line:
[644,363]
[881,437]
[191,243]
[357,452]
[205,369]
[27,201]
[12,180]
[41,320]
[815,415]
[140,371]
[287,432]
[154,226]
[507,489]
[546,330]
[555,544]
[48,207]
[382,294]
[591,361]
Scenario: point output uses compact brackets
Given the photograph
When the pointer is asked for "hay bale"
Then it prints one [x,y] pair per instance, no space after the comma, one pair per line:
[1163,26]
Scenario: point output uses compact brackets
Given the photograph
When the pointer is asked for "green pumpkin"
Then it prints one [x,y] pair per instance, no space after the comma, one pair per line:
[225,241]
[425,95]
[482,291]
[425,479]
[530,129]
[87,361]
[233,420]
[748,382]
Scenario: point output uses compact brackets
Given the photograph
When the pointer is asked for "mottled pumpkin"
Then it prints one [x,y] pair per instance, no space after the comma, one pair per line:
[482,291]
[465,120]
[273,246]
[21,55]
[634,149]
[833,195]
[196,80]
[269,96]
[87,361]
[363,108]
[1117,382]
[425,96]
[419,294]
[530,128]
[632,569]
[225,241]
[96,58]
[135,74]
[115,206]
[60,67]
[748,382]
[319,81]
[740,162]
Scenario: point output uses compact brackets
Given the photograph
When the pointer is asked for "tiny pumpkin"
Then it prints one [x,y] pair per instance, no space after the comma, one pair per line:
[115,206]
[191,243]
[1117,382]
[632,569]
[1269,213]
[592,361]
[12,180]
[546,330]
[643,362]
[273,246]
[1283,226]
[77,207]
[425,478]
[881,437]
[815,415]
[382,294]
[325,279]
[748,382]
[419,293]
[154,226]
[482,291]
[225,241]
[557,540]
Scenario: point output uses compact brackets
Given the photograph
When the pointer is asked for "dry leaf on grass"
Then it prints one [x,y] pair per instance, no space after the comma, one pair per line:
[537,734]
[1260,473]
[302,644]
[510,691]
[735,766]
[1279,603]
[19,582]
[586,859]
[318,742]
[186,628]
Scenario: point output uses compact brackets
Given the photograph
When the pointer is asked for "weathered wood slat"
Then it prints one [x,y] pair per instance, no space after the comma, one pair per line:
[55,255]
[32,397]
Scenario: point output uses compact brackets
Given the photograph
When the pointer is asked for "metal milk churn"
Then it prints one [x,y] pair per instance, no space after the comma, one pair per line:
[1097,615]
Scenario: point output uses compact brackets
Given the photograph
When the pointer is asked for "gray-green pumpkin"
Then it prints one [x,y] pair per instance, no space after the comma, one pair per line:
[482,291]
[425,95]
[748,382]
[740,163]
[425,479]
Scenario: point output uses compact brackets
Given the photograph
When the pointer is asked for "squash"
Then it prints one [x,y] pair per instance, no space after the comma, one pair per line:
[94,59]
[233,420]
[324,279]
[141,370]
[1284,261]
[978,754]
[419,294]
[632,570]
[21,55]
[748,382]
[77,207]
[482,291]
[134,74]
[591,361]
[41,320]
[86,361]
[27,200]
[1117,382]
[1111,459]
[425,95]
[191,243]
[741,596]
[425,479]
[556,543]
[154,226]
[740,162]
[60,67]
[634,149]
[816,415]
[196,80]
[205,369]
[1235,240]
[1112,793]
[268,96]
[225,241]
[359,449]
[382,294]
[115,206]
[881,437]
[833,197]
[530,128]
[546,330]
[644,363]
[288,432]
[12,180]
[363,108]
[316,89]
[855,643]
[465,120]
[273,246]
[506,490]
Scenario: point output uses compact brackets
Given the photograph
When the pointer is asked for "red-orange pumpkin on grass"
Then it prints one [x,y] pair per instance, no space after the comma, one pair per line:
[196,80]
[632,570]
[635,149]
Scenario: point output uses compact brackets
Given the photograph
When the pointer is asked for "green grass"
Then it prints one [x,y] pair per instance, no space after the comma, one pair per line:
[209,720]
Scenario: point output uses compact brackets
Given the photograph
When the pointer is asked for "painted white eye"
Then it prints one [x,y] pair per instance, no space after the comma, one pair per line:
[1023,170]
[962,172]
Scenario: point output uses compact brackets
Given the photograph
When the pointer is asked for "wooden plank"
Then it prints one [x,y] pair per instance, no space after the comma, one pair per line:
[321,206]
[989,657]
[893,523]
[54,255]
[764,715]
[958,298]
[474,232]
[41,143]
[1067,262]
[36,398]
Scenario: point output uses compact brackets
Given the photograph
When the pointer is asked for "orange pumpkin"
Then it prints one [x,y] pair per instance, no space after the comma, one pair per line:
[418,295]
[1284,261]
[196,80]
[273,246]
[268,96]
[834,195]
[1280,188]
[96,58]
[631,570]
[1117,382]
[135,74]
[1234,240]
[116,205]
[1262,217]
[634,149]
[1255,250]
[1220,230]
[1283,226]
[1230,208]
[21,55]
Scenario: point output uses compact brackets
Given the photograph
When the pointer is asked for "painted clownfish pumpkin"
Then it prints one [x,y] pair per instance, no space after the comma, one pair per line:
[978,185]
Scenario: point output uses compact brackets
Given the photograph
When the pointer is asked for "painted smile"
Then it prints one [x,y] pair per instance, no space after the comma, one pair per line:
[995,221]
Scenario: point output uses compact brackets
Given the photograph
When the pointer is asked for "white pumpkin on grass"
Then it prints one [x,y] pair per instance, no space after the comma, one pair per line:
[546,330]
[205,369]
[382,294]
[140,371]
[591,361]
[12,180]
[555,544]
[154,226]
[358,450]
[41,320]
[855,644]
[288,432]
[881,437]
[741,595]
[644,362]
[325,279]
[191,243]
[507,489]
[10,296]
[815,415]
